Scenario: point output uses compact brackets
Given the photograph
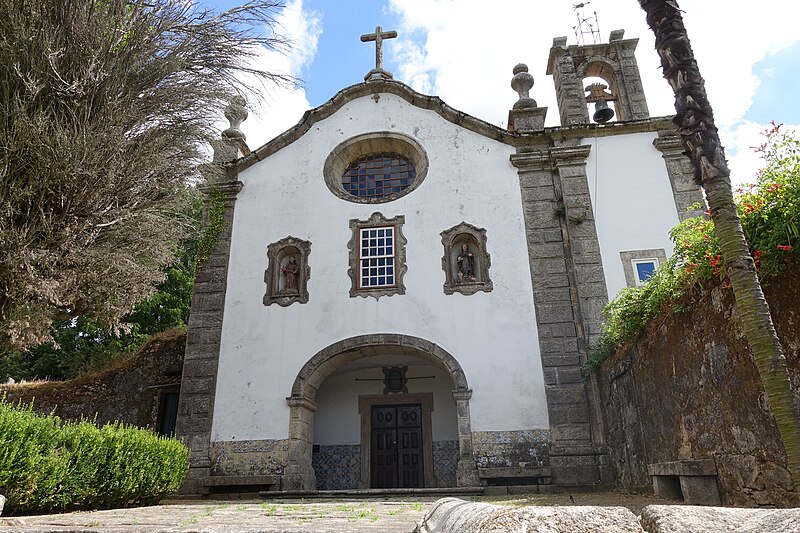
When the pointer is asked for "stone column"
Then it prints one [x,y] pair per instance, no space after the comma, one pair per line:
[466,470]
[299,474]
[681,175]
[199,378]
[569,291]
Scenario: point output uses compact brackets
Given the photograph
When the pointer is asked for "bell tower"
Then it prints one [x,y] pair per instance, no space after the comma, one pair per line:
[614,62]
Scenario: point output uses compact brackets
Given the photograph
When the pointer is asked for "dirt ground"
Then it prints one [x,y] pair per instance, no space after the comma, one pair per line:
[389,515]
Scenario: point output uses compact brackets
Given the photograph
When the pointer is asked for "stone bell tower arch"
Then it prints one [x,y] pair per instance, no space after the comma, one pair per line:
[614,62]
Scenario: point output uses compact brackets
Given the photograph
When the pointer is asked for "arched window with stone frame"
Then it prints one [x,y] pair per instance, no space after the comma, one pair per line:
[287,272]
[465,262]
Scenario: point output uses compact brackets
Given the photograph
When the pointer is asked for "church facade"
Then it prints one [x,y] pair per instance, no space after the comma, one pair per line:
[402,295]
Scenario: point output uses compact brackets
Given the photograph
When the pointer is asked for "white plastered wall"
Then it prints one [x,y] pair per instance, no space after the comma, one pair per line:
[492,335]
[634,208]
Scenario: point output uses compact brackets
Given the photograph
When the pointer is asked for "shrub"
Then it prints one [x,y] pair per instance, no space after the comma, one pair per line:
[50,465]
[770,214]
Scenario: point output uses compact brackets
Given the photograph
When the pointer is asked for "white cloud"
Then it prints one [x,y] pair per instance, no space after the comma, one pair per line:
[469,48]
[283,106]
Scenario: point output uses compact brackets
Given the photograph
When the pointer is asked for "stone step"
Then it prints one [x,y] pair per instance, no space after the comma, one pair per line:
[372,493]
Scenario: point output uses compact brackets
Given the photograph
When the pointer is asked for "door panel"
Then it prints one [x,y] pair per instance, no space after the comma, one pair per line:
[396,443]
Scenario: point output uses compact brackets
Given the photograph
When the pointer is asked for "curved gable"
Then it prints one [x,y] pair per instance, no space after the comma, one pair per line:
[374,87]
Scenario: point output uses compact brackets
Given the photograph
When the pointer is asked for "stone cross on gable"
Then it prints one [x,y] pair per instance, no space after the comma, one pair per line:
[378,37]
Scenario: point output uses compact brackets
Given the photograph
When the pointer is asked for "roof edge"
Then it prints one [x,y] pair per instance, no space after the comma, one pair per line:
[373,87]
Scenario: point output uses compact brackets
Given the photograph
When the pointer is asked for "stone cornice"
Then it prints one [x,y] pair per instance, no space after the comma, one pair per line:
[229,188]
[583,131]
[669,144]
[537,160]
[375,88]
[301,401]
[570,155]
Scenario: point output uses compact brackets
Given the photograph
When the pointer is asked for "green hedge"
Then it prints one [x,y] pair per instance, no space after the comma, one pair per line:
[50,465]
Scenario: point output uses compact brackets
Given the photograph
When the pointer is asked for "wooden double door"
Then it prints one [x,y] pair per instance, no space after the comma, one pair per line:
[396,446]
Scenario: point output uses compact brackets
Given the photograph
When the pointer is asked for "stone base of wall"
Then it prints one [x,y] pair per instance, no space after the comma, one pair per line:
[528,448]
[249,457]
[337,466]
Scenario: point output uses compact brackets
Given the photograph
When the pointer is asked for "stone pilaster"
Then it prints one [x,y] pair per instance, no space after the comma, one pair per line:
[569,292]
[583,245]
[681,175]
[199,379]
[569,84]
[466,469]
[299,473]
[632,101]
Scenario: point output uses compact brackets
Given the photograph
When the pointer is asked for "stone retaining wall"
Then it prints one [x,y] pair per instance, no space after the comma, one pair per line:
[688,389]
[130,391]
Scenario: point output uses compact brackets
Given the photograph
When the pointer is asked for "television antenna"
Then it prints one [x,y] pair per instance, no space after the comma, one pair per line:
[588,27]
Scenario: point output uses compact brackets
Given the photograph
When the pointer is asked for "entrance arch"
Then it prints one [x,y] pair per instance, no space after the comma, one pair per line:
[299,473]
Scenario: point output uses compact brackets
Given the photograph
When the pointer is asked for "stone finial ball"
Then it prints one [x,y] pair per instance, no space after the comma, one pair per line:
[236,113]
[522,81]
[520,67]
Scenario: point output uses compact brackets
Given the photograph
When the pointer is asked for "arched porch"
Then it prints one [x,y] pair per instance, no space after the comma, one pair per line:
[299,473]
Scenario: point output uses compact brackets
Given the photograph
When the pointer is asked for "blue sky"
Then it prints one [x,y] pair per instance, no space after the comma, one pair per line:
[463,51]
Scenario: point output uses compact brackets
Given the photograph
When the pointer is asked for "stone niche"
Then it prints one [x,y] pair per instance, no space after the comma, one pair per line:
[465,262]
[287,272]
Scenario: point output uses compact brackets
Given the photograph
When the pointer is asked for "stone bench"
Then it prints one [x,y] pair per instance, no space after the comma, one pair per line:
[692,480]
[241,484]
[503,480]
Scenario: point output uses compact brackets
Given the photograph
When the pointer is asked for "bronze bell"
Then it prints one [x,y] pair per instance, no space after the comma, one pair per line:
[602,113]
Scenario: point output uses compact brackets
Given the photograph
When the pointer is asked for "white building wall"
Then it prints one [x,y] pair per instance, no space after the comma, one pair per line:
[492,335]
[634,208]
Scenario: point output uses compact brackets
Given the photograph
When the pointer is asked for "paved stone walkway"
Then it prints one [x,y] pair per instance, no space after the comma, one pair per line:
[395,515]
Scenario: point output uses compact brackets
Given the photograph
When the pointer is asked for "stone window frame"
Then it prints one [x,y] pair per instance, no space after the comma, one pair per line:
[454,237]
[373,143]
[353,247]
[272,273]
[628,257]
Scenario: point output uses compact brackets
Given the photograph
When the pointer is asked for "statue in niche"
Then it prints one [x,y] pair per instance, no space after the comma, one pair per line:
[290,271]
[466,265]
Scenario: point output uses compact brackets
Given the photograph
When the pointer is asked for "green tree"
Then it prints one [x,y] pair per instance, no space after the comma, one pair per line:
[84,344]
[694,120]
[106,106]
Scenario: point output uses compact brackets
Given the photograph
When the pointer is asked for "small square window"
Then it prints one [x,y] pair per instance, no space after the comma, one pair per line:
[644,269]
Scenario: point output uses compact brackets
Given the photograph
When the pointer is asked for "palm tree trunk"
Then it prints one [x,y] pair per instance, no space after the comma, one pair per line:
[695,123]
